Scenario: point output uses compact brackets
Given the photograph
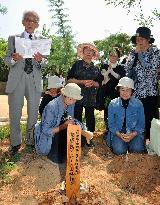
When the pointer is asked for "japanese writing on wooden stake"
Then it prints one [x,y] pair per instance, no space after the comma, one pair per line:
[73,161]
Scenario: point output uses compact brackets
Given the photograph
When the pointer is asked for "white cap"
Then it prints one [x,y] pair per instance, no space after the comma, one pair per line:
[72,90]
[126,82]
[54,82]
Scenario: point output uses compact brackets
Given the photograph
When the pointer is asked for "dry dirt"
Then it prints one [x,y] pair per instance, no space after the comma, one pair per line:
[112,180]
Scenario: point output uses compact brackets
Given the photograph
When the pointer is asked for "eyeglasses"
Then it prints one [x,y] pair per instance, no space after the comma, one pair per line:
[31,20]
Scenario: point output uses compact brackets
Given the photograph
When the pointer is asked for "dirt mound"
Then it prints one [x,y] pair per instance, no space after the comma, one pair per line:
[113,180]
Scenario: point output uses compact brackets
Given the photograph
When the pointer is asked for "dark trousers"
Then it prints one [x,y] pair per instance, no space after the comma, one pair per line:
[149,104]
[58,152]
[89,116]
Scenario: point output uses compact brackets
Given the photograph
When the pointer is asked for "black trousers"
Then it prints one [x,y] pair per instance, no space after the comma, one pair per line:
[89,116]
[58,152]
[150,106]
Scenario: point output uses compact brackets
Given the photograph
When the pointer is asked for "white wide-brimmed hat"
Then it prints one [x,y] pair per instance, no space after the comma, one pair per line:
[72,90]
[126,82]
[54,82]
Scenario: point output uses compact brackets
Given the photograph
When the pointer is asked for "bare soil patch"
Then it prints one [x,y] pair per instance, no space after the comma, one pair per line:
[127,180]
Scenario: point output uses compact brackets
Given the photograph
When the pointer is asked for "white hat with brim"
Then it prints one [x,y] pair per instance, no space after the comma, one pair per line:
[72,90]
[126,82]
[54,82]
[80,50]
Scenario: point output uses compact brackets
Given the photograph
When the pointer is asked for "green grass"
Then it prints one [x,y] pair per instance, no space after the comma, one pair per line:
[6,167]
[100,125]
[5,131]
[7,164]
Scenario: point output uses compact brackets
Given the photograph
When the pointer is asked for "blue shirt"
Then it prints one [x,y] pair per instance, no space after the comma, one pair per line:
[51,118]
[135,120]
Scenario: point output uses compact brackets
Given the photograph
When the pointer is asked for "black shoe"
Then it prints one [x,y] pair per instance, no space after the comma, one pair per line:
[91,145]
[14,149]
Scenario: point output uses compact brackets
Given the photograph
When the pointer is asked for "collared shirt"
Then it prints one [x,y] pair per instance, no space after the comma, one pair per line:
[146,71]
[135,120]
[26,35]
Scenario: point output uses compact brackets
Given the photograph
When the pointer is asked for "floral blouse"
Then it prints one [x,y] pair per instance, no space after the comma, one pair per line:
[146,71]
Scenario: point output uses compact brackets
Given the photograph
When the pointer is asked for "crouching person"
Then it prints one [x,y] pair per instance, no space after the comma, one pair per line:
[125,120]
[51,132]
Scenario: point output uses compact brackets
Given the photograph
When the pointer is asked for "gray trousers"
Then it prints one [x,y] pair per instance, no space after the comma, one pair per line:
[25,88]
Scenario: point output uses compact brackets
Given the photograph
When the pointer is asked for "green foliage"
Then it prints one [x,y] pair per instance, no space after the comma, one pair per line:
[100,124]
[3,9]
[3,47]
[156,13]
[62,51]
[3,71]
[6,166]
[119,40]
[3,68]
[127,4]
[137,8]
[5,131]
[61,57]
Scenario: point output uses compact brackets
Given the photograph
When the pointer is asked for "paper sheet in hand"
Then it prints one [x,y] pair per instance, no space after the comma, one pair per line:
[27,48]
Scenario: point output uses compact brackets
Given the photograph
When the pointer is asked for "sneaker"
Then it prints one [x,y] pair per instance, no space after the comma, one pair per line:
[14,149]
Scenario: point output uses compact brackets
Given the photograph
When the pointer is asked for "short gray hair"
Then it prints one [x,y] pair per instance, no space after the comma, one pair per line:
[25,13]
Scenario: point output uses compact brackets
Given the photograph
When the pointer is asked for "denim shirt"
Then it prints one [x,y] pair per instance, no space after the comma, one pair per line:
[51,118]
[135,120]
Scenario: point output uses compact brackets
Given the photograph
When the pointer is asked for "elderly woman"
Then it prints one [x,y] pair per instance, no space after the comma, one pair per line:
[142,66]
[125,120]
[88,77]
[50,134]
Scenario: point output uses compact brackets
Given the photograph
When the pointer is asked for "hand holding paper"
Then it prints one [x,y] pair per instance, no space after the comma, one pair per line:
[28,48]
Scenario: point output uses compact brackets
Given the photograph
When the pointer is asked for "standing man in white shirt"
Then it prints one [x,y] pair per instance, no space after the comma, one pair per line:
[24,80]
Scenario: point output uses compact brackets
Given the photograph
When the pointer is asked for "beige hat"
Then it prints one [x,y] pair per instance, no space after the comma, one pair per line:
[54,82]
[72,90]
[80,50]
[126,82]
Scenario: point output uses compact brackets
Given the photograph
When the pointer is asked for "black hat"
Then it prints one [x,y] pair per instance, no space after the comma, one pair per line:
[143,32]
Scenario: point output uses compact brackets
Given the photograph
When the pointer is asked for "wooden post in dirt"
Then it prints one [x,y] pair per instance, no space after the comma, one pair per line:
[73,162]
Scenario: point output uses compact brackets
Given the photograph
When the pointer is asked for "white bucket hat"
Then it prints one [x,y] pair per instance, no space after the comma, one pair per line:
[126,82]
[72,90]
[54,82]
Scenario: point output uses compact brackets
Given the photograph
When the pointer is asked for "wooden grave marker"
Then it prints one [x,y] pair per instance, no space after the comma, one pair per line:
[73,162]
